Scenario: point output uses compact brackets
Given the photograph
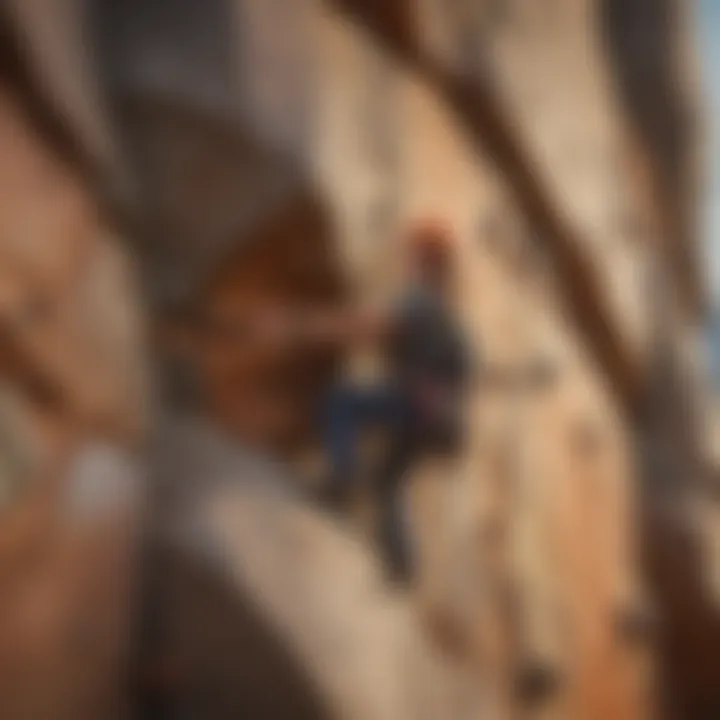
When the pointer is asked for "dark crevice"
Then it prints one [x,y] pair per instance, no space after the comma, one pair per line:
[643,46]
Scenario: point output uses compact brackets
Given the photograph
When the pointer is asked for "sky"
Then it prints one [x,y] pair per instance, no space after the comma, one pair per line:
[709,35]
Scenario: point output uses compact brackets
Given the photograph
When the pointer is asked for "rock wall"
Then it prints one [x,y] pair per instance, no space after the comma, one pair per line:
[73,402]
[508,124]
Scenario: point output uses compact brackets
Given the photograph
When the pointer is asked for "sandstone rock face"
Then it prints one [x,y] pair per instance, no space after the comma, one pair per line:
[68,294]
[282,160]
[72,365]
[520,478]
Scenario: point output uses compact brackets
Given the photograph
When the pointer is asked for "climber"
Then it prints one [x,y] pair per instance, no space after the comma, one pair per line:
[417,404]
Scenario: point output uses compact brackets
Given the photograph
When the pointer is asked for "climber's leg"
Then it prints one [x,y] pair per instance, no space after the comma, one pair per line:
[394,531]
[351,409]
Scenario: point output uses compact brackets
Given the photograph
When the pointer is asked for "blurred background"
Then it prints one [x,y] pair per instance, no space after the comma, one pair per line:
[708,20]
[170,168]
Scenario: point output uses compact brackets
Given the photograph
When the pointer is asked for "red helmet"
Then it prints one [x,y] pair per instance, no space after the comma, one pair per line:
[432,240]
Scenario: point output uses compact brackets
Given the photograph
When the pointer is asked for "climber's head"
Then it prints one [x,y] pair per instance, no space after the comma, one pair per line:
[431,248]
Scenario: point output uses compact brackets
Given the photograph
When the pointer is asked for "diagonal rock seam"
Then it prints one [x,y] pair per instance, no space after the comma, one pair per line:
[481,111]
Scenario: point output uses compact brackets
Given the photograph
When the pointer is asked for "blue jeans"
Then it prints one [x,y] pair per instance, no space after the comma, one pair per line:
[352,410]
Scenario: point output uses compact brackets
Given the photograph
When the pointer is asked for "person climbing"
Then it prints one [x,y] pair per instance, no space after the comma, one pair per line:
[417,403]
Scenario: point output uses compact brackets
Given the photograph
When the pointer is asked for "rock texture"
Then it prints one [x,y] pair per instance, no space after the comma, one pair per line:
[273,160]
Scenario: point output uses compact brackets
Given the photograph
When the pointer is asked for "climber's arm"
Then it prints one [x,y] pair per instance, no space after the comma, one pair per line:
[291,327]
[345,327]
